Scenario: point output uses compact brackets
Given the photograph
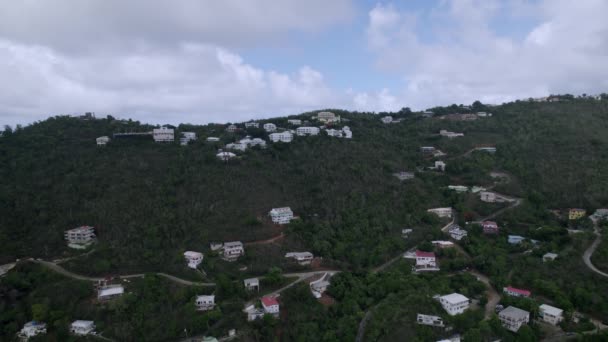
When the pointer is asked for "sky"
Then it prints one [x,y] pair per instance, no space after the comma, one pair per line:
[202,61]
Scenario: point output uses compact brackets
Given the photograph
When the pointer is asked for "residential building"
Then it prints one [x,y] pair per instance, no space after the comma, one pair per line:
[427,149]
[484,114]
[435,321]
[281,215]
[205,302]
[236,146]
[295,122]
[487,196]
[404,175]
[476,189]
[328,117]
[441,212]
[302,131]
[439,166]
[81,237]
[575,213]
[225,155]
[425,261]
[347,133]
[549,257]
[319,286]
[550,314]
[247,141]
[110,291]
[515,292]
[386,119]
[270,305]
[252,124]
[213,139]
[406,232]
[193,258]
[513,318]
[442,243]
[457,233]
[486,149]
[515,239]
[102,141]
[302,258]
[252,284]
[253,313]
[216,246]
[82,327]
[233,250]
[489,227]
[455,338]
[163,134]
[458,188]
[454,303]
[187,137]
[282,137]
[600,214]
[231,128]
[449,134]
[270,127]
[31,329]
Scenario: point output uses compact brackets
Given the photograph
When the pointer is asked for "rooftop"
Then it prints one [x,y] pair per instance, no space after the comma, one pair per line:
[269,301]
[551,310]
[520,291]
[514,312]
[454,298]
[421,254]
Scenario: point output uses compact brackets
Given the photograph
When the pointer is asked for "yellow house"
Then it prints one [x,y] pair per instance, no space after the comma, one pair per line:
[575,214]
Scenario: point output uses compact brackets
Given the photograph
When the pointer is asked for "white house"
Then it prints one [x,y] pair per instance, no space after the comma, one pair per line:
[404,175]
[439,166]
[225,155]
[252,124]
[193,258]
[102,141]
[295,122]
[80,237]
[454,303]
[205,303]
[302,131]
[213,139]
[319,286]
[231,128]
[281,215]
[302,258]
[236,146]
[163,134]
[458,188]
[426,261]
[282,137]
[328,117]
[187,137]
[442,243]
[513,318]
[334,133]
[82,327]
[386,119]
[457,233]
[441,212]
[406,232]
[110,291]
[253,313]
[270,305]
[487,196]
[599,214]
[255,142]
[252,284]
[216,246]
[348,134]
[270,127]
[435,321]
[449,134]
[550,314]
[31,329]
[233,250]
[487,149]
[549,257]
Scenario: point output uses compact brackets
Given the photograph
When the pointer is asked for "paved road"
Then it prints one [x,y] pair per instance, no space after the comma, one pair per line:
[589,252]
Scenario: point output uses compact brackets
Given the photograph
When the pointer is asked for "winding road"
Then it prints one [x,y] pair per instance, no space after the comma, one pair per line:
[589,252]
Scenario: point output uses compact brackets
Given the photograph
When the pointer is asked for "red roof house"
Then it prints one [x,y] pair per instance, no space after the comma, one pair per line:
[515,292]
[489,227]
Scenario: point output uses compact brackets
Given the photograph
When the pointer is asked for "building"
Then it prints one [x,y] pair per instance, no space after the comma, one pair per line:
[454,303]
[489,227]
[513,318]
[549,257]
[487,196]
[253,313]
[205,303]
[163,134]
[225,155]
[216,246]
[193,258]
[186,138]
[81,237]
[213,139]
[302,131]
[515,292]
[281,215]
[484,114]
[455,338]
[82,327]
[404,175]
[441,212]
[252,284]
[328,117]
[295,122]
[270,127]
[233,250]
[442,243]
[406,232]
[319,286]
[600,214]
[439,166]
[550,314]
[427,149]
[476,189]
[347,133]
[386,119]
[270,305]
[102,141]
[231,128]
[435,321]
[31,329]
[575,213]
[458,188]
[457,233]
[486,149]
[282,137]
[248,142]
[449,134]
[515,239]
[252,124]
[236,146]
[302,258]
[109,292]
[425,261]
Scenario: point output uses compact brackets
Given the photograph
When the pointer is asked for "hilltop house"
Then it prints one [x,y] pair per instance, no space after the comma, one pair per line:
[270,127]
[193,258]
[549,257]
[252,124]
[102,141]
[110,291]
[575,213]
[515,239]
[435,321]
[225,155]
[513,318]
[515,292]
[599,214]
[386,119]
[449,134]
[163,134]
[270,305]
[81,237]
[252,284]
[457,233]
[404,175]
[489,227]
[441,212]
[31,329]
[205,303]
[328,117]
[302,131]
[213,139]
[487,149]
[282,137]
[302,258]
[454,303]
[186,138]
[281,215]
[295,122]
[233,250]
[425,261]
[82,327]
[231,128]
[550,314]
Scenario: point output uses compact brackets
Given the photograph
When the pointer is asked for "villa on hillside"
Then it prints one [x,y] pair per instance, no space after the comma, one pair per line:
[454,303]
[295,122]
[233,250]
[404,175]
[225,156]
[186,138]
[487,196]
[386,119]
[252,284]
[549,257]
[31,329]
[302,258]
[513,318]
[163,134]
[489,227]
[439,166]
[442,244]
[231,128]
[281,137]
[109,292]
[488,149]
[441,212]
[328,117]
[425,261]
[282,215]
[457,233]
[82,328]
[434,321]
[193,258]
[270,306]
[458,188]
[213,139]
[81,237]
[270,127]
[302,131]
[252,124]
[599,214]
[102,141]
[550,314]
[515,239]
[205,303]
[515,292]
[575,213]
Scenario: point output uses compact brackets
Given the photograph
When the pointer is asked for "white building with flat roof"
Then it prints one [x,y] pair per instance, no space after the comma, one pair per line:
[302,258]
[225,156]
[110,291]
[285,137]
[252,284]
[80,327]
[295,122]
[163,134]
[328,117]
[186,138]
[193,258]
[232,250]
[252,124]
[270,127]
[102,141]
[549,257]
[386,119]
[487,196]
[513,318]
[80,237]
[282,215]
[205,302]
[441,212]
[302,131]
[434,321]
[236,146]
[213,139]
[31,329]
[550,314]
[454,303]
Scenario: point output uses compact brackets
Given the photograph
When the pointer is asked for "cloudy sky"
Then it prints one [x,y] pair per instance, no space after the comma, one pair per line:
[204,61]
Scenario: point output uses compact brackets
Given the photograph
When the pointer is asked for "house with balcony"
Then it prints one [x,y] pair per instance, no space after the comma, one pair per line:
[550,314]
[205,302]
[454,303]
[441,212]
[82,328]
[102,141]
[270,127]
[270,305]
[439,166]
[31,329]
[252,284]
[282,215]
[233,250]
[303,131]
[163,134]
[425,261]
[285,137]
[302,258]
[236,146]
[193,259]
[81,237]
[515,292]
[253,313]
[513,318]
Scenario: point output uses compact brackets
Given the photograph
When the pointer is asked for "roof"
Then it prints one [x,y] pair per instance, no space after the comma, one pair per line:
[454,298]
[233,244]
[81,323]
[110,291]
[192,254]
[550,255]
[281,210]
[520,291]
[34,324]
[252,281]
[551,310]
[80,229]
[299,255]
[212,297]
[489,223]
[421,254]
[269,301]
[514,312]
